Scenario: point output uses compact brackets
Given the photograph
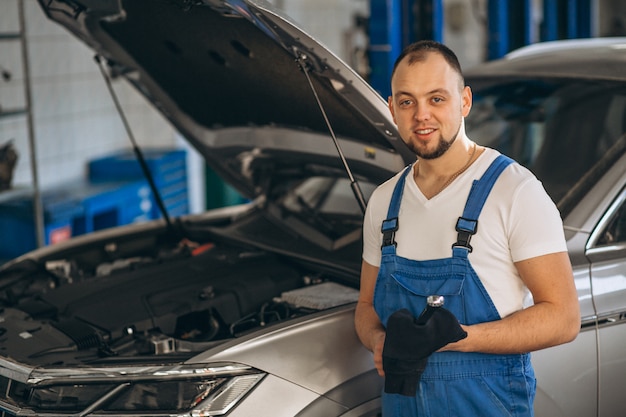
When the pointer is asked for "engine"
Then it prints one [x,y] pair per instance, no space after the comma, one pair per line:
[152,306]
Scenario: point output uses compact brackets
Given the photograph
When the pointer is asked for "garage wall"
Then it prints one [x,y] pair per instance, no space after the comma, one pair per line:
[612,18]
[331,22]
[74,116]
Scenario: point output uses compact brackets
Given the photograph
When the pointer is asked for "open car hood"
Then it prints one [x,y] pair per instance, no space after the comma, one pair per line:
[229,76]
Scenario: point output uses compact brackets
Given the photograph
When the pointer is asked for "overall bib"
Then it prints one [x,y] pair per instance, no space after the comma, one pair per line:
[454,384]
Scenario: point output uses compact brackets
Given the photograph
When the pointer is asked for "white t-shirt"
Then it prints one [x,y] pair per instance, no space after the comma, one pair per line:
[518,221]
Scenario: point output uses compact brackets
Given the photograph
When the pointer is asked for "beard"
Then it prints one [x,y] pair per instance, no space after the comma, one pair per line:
[442,147]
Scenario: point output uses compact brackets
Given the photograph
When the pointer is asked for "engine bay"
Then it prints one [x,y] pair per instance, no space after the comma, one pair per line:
[169,304]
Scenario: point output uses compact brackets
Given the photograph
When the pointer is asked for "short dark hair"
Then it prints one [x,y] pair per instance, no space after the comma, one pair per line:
[417,52]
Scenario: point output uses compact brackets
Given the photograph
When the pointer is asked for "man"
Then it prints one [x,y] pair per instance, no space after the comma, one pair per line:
[498,257]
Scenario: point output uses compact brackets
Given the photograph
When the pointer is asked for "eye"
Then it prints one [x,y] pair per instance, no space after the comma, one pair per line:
[405,103]
[437,99]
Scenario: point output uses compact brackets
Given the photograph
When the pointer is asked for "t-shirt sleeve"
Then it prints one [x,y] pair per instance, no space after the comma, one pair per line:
[536,227]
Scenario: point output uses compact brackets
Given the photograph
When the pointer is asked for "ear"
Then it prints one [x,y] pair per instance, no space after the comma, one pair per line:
[466,100]
[390,105]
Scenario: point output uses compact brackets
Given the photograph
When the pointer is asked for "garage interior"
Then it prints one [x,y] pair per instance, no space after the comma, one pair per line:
[60,131]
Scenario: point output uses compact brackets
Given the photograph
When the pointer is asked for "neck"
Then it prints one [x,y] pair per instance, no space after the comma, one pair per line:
[433,176]
[451,161]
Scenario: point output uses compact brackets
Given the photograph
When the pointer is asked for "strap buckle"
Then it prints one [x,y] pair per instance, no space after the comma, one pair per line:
[466,228]
[389,228]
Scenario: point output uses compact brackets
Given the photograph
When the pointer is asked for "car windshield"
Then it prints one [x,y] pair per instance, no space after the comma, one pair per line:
[568,132]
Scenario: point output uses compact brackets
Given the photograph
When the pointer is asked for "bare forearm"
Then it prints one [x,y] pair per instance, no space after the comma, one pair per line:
[368,326]
[553,319]
[537,327]
[367,323]
[371,332]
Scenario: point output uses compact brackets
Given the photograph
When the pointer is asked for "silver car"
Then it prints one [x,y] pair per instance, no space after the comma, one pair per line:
[248,310]
[560,109]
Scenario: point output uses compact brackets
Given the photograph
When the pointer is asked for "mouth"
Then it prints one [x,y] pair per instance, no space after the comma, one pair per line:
[424,133]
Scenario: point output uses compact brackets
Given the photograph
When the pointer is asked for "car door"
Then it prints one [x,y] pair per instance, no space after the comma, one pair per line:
[606,251]
[567,374]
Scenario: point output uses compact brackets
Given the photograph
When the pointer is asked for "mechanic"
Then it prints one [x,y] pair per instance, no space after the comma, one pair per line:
[496,254]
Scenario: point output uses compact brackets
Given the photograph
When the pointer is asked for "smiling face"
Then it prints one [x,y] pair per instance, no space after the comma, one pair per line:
[428,104]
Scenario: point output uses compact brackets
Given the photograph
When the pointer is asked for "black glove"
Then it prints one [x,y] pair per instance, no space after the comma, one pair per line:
[408,344]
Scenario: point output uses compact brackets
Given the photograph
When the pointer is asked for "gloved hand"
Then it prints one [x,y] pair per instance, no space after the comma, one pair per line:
[408,344]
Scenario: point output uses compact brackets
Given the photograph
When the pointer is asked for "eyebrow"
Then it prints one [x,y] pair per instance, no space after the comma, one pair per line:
[429,93]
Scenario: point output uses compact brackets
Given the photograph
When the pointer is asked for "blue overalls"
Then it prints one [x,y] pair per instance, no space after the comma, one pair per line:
[454,384]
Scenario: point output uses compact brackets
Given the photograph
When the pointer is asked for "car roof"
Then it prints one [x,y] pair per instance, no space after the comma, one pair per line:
[597,58]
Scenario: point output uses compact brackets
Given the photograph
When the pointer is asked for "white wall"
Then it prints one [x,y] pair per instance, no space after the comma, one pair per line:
[74,116]
[328,21]
[464,30]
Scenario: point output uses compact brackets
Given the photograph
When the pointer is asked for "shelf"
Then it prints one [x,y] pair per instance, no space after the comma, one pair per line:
[9,36]
[16,192]
[13,112]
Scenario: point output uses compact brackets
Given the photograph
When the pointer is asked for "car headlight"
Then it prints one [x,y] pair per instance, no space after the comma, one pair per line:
[189,391]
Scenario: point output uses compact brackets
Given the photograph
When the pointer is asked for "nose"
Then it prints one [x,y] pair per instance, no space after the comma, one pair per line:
[421,113]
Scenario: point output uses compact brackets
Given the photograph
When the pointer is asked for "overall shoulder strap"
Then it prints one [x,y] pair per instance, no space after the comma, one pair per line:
[467,224]
[390,225]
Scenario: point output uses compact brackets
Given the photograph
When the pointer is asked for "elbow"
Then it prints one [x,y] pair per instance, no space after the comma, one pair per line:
[571,327]
[571,333]
[565,325]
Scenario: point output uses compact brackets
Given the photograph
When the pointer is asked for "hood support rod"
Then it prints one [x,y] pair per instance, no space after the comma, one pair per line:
[136,150]
[356,189]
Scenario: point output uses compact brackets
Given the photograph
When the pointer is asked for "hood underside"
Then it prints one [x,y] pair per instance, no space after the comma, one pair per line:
[212,65]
